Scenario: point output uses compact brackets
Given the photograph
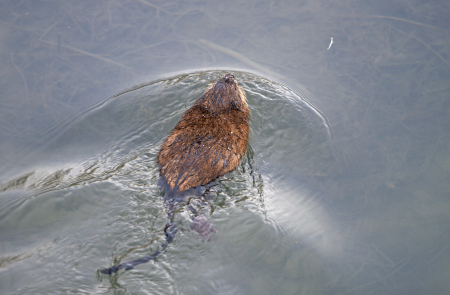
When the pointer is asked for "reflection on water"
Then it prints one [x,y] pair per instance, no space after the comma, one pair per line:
[351,202]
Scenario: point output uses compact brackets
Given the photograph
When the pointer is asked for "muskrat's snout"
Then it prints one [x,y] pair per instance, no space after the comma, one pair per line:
[229,78]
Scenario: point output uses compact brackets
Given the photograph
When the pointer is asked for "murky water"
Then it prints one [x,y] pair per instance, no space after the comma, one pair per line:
[344,188]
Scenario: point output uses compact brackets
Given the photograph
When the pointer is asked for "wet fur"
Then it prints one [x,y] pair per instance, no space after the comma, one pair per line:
[210,138]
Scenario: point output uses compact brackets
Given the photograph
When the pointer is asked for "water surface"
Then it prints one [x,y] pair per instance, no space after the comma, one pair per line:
[344,188]
[95,201]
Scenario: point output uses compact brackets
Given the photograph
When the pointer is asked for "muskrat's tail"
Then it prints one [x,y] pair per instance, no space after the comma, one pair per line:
[170,230]
[199,223]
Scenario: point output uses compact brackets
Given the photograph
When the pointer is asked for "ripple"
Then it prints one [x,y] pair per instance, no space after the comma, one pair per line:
[95,185]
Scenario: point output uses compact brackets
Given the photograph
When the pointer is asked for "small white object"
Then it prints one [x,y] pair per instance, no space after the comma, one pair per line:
[331,42]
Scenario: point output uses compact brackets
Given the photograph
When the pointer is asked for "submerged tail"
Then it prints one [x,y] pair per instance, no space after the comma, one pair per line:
[199,223]
[170,230]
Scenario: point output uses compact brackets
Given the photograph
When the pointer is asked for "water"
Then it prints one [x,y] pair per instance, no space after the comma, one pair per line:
[343,190]
[99,203]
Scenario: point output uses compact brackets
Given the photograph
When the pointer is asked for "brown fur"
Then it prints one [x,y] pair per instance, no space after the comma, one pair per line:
[210,138]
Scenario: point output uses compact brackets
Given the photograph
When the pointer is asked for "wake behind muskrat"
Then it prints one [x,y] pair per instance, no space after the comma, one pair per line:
[208,141]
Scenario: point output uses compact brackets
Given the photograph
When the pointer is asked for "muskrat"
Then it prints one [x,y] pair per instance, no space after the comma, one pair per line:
[208,141]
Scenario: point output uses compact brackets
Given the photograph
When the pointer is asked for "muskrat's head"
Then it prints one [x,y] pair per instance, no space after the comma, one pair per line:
[223,96]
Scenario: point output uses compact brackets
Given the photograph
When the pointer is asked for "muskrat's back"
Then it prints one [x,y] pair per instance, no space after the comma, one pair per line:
[210,138]
[209,141]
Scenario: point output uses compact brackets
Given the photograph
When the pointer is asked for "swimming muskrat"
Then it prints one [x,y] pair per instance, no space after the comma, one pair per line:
[208,141]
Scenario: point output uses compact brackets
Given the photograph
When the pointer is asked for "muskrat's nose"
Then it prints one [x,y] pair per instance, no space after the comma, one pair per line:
[229,78]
